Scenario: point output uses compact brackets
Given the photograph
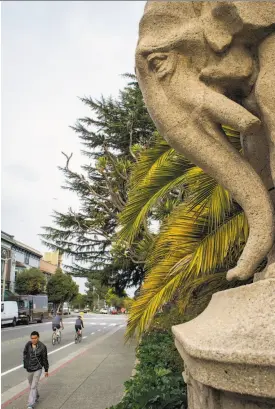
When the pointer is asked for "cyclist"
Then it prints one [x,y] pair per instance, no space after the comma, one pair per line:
[57,322]
[79,324]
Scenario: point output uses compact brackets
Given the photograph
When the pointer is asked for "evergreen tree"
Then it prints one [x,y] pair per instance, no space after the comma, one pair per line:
[111,136]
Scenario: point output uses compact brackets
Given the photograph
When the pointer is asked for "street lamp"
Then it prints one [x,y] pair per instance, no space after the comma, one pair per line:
[5,258]
[97,297]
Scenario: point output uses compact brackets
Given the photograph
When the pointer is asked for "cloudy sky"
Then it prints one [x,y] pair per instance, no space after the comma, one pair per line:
[52,53]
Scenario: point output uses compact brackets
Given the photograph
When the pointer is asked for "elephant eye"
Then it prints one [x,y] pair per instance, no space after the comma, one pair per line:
[158,62]
[162,64]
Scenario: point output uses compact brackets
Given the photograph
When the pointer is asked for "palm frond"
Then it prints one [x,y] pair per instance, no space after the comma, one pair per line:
[147,158]
[158,172]
[184,251]
[160,176]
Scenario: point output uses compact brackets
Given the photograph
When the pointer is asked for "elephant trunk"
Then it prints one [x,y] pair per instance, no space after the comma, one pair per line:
[225,164]
[191,126]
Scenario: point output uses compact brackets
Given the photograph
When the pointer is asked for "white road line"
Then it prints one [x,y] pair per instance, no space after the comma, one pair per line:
[112,325]
[59,349]
[49,353]
[11,370]
[102,323]
[23,327]
[15,390]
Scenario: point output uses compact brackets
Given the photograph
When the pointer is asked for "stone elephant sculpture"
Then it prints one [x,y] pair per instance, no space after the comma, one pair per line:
[196,66]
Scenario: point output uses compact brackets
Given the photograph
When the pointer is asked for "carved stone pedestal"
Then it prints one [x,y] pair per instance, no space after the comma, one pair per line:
[229,350]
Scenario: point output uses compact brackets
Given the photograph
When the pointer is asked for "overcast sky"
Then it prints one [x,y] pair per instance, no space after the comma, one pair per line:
[53,52]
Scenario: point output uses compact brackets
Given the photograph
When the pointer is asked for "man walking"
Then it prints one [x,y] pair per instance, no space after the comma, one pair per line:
[35,357]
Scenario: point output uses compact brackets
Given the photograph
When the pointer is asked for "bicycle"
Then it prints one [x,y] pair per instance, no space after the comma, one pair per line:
[78,336]
[56,337]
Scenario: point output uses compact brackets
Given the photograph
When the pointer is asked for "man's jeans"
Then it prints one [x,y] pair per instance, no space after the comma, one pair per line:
[33,378]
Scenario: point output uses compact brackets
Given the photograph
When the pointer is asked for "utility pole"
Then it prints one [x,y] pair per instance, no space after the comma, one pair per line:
[4,253]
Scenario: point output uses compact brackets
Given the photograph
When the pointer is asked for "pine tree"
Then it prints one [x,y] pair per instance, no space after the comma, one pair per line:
[111,136]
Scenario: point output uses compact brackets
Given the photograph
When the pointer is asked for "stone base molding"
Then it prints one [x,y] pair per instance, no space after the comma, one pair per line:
[229,350]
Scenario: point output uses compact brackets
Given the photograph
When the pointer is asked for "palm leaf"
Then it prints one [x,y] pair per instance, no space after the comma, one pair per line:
[147,158]
[185,250]
[166,173]
[159,171]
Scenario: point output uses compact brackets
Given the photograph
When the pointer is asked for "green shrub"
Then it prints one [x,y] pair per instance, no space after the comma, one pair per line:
[158,382]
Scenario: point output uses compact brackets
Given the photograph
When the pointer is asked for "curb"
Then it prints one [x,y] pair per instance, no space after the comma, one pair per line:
[134,371]
[132,375]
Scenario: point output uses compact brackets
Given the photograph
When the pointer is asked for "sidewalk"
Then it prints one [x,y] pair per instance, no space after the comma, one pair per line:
[92,380]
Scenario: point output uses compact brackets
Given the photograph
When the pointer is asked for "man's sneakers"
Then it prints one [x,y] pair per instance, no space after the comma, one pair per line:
[37,399]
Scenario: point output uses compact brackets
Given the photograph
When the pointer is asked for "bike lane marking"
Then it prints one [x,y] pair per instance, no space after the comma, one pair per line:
[16,391]
[49,353]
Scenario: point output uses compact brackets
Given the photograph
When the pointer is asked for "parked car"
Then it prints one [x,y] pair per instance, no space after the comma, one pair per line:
[9,313]
[33,308]
[114,312]
[103,311]
[77,311]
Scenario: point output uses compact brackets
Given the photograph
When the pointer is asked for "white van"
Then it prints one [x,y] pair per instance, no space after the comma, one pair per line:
[66,309]
[9,312]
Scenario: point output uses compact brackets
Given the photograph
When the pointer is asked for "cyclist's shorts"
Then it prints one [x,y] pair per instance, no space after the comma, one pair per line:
[58,326]
[77,327]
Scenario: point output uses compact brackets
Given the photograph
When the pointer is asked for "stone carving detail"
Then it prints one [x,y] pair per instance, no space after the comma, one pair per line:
[203,64]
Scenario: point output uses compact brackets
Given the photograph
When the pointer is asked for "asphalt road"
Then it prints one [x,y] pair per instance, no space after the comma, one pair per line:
[14,340]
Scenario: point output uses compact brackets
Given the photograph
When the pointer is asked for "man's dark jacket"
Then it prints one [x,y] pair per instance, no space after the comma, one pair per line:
[35,359]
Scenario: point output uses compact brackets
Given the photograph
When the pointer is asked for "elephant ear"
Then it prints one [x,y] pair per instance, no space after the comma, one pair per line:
[221,21]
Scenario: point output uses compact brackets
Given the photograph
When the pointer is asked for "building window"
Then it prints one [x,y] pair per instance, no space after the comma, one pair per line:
[27,258]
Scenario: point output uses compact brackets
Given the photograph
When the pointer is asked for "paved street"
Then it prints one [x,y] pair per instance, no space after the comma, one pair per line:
[101,362]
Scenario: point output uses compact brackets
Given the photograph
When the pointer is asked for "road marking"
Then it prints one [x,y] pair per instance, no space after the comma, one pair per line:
[21,326]
[18,390]
[59,349]
[112,325]
[49,353]
[11,370]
